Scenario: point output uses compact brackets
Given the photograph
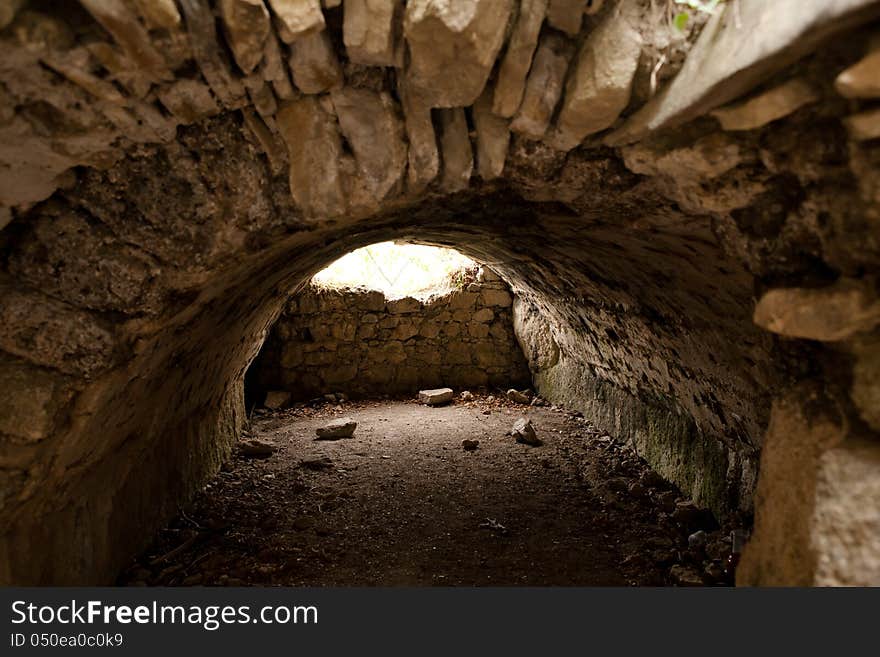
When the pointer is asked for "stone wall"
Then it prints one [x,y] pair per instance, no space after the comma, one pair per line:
[359,343]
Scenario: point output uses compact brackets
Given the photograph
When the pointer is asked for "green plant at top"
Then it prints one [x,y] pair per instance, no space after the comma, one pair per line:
[705,6]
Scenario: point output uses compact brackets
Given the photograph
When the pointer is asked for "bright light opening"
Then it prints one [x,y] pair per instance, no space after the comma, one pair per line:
[398,270]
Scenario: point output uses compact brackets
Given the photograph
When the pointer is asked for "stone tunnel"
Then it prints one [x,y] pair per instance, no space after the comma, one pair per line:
[688,215]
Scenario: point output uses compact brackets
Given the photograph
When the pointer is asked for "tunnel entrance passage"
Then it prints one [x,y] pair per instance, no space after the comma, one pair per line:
[391,319]
[402,503]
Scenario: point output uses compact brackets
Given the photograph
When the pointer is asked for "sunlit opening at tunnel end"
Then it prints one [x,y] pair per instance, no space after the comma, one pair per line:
[398,270]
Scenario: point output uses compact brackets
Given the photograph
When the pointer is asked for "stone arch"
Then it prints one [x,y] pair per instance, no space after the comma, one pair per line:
[176,170]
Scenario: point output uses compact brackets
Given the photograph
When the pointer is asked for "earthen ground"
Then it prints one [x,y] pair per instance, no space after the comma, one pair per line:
[403,504]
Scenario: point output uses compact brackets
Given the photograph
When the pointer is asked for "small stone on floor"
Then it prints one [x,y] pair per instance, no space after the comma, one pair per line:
[524,432]
[436,396]
[342,427]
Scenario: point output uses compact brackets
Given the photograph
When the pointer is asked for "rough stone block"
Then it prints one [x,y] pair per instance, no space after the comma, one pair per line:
[544,87]
[862,80]
[315,149]
[599,87]
[369,31]
[771,105]
[247,27]
[314,65]
[342,427]
[517,60]
[524,432]
[403,306]
[463,36]
[458,157]
[846,521]
[493,138]
[297,18]
[864,125]
[369,122]
[497,298]
[829,313]
[436,396]
[31,399]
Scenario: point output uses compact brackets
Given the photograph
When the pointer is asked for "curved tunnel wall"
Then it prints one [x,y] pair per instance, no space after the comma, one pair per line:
[137,293]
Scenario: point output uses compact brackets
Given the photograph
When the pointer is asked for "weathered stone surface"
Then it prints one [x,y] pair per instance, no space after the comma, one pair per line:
[705,158]
[297,18]
[866,383]
[535,339]
[493,137]
[524,432]
[314,149]
[846,520]
[369,122]
[247,27]
[830,313]
[517,397]
[118,19]
[274,69]
[462,36]
[262,98]
[566,15]
[782,551]
[8,10]
[778,34]
[436,396]
[314,65]
[31,399]
[483,315]
[277,399]
[188,100]
[158,14]
[517,60]
[268,140]
[370,31]
[862,80]
[864,125]
[600,84]
[543,87]
[423,156]
[53,334]
[455,144]
[685,170]
[403,305]
[121,67]
[342,427]
[771,105]
[492,297]
[202,29]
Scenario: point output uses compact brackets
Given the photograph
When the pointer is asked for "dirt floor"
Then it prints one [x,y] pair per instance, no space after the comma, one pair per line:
[402,503]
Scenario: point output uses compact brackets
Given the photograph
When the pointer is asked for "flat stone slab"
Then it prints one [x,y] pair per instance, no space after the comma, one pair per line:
[342,427]
[436,396]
